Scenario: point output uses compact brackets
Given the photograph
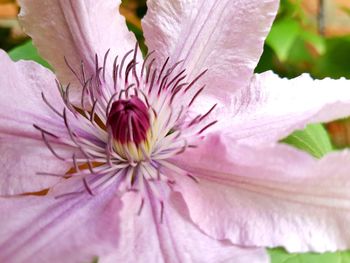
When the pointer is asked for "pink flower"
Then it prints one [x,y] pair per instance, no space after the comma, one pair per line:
[168,159]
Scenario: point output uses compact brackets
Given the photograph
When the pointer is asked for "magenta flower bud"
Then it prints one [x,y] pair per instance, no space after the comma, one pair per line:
[129,121]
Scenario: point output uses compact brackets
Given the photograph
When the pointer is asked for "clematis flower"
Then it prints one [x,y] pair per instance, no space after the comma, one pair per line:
[170,158]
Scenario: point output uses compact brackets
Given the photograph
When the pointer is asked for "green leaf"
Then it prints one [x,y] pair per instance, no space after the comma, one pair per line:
[282,36]
[335,62]
[27,52]
[317,41]
[314,139]
[279,255]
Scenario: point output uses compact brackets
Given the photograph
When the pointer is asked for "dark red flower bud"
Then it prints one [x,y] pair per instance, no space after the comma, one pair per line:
[129,120]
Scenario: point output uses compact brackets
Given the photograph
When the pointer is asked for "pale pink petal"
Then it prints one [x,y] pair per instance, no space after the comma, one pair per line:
[77,30]
[23,152]
[40,229]
[22,105]
[226,37]
[21,163]
[272,108]
[268,196]
[163,232]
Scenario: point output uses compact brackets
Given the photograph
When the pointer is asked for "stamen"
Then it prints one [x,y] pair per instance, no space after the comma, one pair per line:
[44,131]
[149,69]
[162,84]
[76,166]
[144,62]
[84,91]
[175,78]
[92,114]
[195,80]
[70,132]
[71,194]
[151,175]
[90,166]
[104,65]
[207,114]
[111,100]
[72,70]
[129,67]
[134,67]
[115,73]
[161,211]
[66,95]
[161,71]
[59,87]
[158,174]
[98,81]
[183,149]
[176,91]
[144,97]
[195,179]
[180,114]
[175,65]
[109,147]
[50,147]
[123,61]
[97,71]
[82,67]
[196,95]
[152,81]
[128,89]
[178,82]
[134,174]
[50,106]
[206,127]
[195,120]
[87,186]
[141,207]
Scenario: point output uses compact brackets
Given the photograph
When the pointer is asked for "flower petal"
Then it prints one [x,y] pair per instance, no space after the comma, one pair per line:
[226,37]
[21,162]
[273,107]
[44,229]
[268,196]
[77,30]
[163,232]
[21,145]
[22,85]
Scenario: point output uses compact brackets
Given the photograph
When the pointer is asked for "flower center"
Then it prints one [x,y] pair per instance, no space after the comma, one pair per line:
[129,124]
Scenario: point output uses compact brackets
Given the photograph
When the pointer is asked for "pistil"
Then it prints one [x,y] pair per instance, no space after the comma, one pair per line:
[129,123]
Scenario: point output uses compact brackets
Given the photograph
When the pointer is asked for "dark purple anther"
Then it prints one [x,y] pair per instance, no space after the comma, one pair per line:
[129,120]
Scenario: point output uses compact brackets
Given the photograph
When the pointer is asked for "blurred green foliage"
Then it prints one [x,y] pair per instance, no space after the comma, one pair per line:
[27,51]
[294,47]
[280,256]
[314,139]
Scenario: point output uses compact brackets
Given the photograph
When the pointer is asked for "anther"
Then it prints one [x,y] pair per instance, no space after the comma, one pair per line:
[129,121]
